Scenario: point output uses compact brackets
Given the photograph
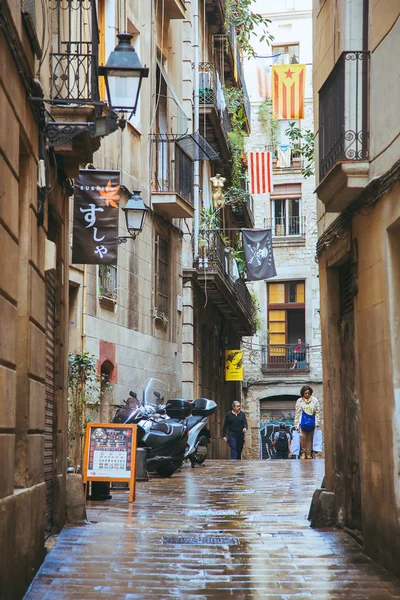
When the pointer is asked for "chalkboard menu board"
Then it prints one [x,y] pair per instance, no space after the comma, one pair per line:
[110,454]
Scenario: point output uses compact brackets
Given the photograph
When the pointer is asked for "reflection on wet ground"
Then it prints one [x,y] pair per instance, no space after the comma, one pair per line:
[231,529]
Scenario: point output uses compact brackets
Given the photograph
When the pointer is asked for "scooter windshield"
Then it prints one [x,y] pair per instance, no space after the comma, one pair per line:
[154,392]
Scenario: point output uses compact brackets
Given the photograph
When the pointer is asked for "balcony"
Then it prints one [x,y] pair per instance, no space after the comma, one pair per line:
[282,162]
[239,74]
[282,359]
[243,209]
[218,275]
[213,110]
[287,229]
[343,132]
[175,9]
[172,183]
[74,81]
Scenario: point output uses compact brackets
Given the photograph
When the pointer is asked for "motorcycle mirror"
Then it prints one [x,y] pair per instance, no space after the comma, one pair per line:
[133,394]
[157,395]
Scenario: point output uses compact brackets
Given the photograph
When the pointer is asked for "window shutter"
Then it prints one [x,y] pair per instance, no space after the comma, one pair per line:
[28,10]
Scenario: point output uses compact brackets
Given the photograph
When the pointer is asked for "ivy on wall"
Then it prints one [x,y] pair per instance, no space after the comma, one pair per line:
[269,126]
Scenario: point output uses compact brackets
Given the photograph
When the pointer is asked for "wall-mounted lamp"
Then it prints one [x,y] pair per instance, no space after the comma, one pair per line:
[135,212]
[123,74]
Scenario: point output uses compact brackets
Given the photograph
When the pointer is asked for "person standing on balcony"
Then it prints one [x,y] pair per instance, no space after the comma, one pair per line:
[298,354]
[234,429]
[306,419]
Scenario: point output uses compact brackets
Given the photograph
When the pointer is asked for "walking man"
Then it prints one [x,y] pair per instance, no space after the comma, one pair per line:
[235,426]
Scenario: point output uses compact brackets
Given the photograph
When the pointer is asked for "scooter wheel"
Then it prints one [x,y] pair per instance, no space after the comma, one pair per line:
[166,470]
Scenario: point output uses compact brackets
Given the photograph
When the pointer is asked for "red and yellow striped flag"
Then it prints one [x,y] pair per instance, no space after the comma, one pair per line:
[288,85]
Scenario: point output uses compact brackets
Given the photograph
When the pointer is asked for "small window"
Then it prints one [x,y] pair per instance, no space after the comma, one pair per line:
[295,292]
[286,217]
[108,281]
[162,276]
[289,53]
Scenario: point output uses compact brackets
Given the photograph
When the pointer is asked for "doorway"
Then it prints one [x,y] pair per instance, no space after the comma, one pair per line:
[274,411]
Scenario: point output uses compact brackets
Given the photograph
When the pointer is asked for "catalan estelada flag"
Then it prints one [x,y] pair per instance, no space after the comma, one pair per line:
[288,85]
[260,167]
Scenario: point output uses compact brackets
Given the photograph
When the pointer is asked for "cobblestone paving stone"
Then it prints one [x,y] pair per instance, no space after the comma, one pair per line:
[124,554]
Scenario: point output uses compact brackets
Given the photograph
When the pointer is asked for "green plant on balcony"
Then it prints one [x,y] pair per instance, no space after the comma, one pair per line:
[160,317]
[269,126]
[235,195]
[237,198]
[303,143]
[256,310]
[247,24]
[206,96]
[236,252]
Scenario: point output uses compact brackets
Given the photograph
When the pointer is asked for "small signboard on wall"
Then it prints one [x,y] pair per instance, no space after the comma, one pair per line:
[110,454]
[233,365]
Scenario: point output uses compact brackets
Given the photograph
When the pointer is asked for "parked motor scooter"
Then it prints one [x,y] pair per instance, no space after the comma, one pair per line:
[198,434]
[165,440]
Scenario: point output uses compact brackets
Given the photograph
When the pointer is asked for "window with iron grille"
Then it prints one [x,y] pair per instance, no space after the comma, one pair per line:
[74,59]
[162,276]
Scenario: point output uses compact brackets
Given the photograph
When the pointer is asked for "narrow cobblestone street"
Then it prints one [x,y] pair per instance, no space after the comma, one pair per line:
[250,538]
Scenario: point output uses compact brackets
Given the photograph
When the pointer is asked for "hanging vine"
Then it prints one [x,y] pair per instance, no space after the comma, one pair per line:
[238,14]
[269,126]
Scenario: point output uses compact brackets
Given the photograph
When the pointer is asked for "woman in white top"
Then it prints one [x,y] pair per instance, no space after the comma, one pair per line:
[306,419]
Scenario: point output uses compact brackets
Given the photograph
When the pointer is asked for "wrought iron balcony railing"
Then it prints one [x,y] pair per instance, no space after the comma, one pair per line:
[287,227]
[74,62]
[293,160]
[214,257]
[283,357]
[343,112]
[173,169]
[211,93]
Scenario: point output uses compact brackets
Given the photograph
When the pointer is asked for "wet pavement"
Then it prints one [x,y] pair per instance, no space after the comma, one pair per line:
[231,529]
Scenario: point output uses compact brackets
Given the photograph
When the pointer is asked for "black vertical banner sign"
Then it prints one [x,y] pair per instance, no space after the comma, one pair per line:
[95,233]
[258,254]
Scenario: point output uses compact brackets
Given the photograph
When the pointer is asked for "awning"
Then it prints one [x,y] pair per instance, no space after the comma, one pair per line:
[197,147]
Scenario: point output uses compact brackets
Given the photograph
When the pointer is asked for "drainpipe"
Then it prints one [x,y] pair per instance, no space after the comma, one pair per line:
[196,107]
[84,302]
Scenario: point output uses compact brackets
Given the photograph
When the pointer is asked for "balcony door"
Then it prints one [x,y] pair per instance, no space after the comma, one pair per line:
[286,210]
[286,314]
[162,170]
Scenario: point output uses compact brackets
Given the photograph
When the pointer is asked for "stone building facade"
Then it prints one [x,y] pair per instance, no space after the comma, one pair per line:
[271,387]
[34,190]
[356,45]
[121,326]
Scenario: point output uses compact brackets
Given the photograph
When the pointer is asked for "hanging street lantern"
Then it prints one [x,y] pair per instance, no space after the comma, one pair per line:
[123,74]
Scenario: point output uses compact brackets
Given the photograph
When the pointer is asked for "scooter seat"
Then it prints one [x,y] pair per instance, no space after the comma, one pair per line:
[157,437]
[163,427]
[192,421]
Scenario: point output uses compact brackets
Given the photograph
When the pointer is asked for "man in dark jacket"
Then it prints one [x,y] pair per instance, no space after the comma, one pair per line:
[235,426]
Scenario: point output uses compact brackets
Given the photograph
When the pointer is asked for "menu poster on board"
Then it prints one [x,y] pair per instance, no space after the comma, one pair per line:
[110,452]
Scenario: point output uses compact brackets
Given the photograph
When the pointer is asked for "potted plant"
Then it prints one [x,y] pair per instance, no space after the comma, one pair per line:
[83,395]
